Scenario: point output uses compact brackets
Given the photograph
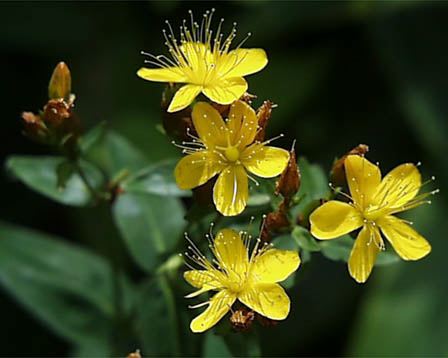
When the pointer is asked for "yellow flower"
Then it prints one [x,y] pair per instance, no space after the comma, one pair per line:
[373,205]
[252,278]
[203,61]
[228,149]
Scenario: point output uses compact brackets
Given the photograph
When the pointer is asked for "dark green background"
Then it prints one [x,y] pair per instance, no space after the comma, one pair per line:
[342,73]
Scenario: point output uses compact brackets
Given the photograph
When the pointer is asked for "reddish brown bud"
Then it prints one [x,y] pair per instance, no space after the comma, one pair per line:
[34,127]
[337,175]
[242,319]
[60,85]
[274,222]
[289,182]
[56,111]
[263,115]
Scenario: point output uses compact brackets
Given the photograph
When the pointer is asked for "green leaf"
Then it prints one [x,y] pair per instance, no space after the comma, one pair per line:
[215,346]
[156,179]
[305,240]
[40,173]
[157,321]
[339,250]
[66,287]
[151,225]
[92,137]
[64,171]
[112,153]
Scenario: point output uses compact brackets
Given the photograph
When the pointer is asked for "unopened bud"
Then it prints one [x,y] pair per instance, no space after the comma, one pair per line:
[135,354]
[60,85]
[263,115]
[242,319]
[274,222]
[337,175]
[34,127]
[56,111]
[289,182]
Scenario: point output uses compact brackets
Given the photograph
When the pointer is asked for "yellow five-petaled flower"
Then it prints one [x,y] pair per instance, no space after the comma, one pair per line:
[203,62]
[230,150]
[252,278]
[374,203]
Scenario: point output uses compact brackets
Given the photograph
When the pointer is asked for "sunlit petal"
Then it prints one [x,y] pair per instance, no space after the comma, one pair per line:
[267,299]
[167,74]
[275,265]
[334,219]
[243,123]
[363,178]
[209,125]
[196,169]
[399,186]
[230,251]
[265,161]
[407,242]
[226,91]
[231,191]
[183,97]
[242,62]
[364,253]
[218,306]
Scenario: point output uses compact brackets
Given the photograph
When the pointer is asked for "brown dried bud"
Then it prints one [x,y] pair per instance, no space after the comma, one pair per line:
[263,115]
[56,111]
[242,319]
[34,127]
[135,354]
[289,182]
[337,175]
[60,85]
[274,222]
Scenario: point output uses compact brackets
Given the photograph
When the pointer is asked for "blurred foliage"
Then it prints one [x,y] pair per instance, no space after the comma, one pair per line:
[342,73]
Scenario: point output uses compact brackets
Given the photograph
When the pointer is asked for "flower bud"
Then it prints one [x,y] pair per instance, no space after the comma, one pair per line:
[274,222]
[289,182]
[337,175]
[60,85]
[242,319]
[34,127]
[263,115]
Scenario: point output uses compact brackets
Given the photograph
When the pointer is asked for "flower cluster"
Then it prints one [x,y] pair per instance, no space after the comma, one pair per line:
[225,146]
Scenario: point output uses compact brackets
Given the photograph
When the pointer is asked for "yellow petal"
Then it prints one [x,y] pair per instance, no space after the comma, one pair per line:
[334,219]
[275,265]
[363,179]
[209,125]
[407,242]
[183,97]
[226,91]
[242,62]
[218,306]
[230,251]
[267,299]
[167,74]
[399,186]
[196,169]
[231,191]
[265,161]
[201,278]
[243,124]
[364,253]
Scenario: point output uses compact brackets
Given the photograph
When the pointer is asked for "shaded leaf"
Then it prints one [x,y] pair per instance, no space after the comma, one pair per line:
[43,173]
[156,179]
[157,321]
[151,225]
[304,239]
[66,287]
